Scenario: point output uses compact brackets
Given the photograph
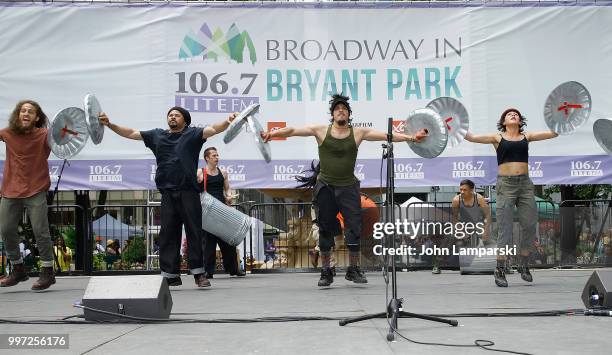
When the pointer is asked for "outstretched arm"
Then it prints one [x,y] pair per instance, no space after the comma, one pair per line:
[540,136]
[219,126]
[368,134]
[484,139]
[308,131]
[122,131]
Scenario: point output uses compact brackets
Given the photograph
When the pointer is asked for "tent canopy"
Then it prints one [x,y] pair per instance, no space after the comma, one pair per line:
[109,227]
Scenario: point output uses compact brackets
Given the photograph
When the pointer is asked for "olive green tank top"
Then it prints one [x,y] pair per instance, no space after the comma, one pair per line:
[338,157]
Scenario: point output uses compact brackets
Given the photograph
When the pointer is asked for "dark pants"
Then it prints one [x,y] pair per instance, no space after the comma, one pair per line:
[180,208]
[328,200]
[230,262]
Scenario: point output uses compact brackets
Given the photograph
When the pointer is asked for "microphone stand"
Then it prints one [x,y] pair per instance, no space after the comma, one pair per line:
[394,308]
[50,197]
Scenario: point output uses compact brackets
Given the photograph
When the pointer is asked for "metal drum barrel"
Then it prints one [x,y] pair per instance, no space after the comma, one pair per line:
[224,221]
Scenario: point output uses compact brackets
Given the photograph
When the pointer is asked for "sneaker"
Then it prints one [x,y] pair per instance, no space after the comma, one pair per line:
[209,276]
[436,270]
[327,278]
[500,277]
[525,274]
[174,281]
[353,273]
[333,270]
[201,280]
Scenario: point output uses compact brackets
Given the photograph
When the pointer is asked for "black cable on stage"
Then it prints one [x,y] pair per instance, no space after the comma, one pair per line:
[67,320]
[478,343]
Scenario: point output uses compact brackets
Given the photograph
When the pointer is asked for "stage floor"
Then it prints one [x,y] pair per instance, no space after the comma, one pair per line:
[288,294]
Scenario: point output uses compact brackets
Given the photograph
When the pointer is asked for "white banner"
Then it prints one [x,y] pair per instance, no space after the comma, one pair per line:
[140,60]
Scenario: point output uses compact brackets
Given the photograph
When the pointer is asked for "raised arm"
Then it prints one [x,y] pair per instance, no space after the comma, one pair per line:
[122,131]
[219,126]
[540,136]
[483,139]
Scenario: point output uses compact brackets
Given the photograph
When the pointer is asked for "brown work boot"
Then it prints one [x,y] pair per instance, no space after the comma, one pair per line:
[17,275]
[201,280]
[45,280]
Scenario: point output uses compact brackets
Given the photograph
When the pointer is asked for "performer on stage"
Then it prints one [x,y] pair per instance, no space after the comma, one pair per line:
[467,207]
[215,182]
[514,187]
[25,184]
[176,151]
[337,188]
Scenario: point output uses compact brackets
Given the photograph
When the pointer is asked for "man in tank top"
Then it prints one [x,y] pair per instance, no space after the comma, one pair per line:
[467,207]
[336,188]
[471,207]
[215,182]
[514,188]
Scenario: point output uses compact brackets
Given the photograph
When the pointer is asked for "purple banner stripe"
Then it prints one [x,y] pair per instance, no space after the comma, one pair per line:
[446,171]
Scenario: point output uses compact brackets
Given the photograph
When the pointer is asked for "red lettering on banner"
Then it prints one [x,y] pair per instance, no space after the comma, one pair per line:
[399,126]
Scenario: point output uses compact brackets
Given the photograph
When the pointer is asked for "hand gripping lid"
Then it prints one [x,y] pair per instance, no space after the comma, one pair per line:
[455,117]
[435,143]
[256,129]
[68,133]
[234,129]
[567,107]
[92,111]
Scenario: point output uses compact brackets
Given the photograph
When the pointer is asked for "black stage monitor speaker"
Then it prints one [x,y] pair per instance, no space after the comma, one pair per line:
[146,296]
[597,292]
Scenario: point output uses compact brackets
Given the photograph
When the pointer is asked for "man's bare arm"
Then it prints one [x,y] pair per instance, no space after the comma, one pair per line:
[122,131]
[307,131]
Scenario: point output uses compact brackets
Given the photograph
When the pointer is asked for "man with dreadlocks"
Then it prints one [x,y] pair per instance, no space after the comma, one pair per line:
[25,184]
[336,189]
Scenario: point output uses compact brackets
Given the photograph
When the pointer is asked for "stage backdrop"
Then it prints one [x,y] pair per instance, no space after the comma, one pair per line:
[141,59]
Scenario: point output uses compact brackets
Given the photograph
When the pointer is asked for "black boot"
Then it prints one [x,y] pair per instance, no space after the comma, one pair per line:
[525,274]
[327,278]
[174,281]
[354,273]
[500,277]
